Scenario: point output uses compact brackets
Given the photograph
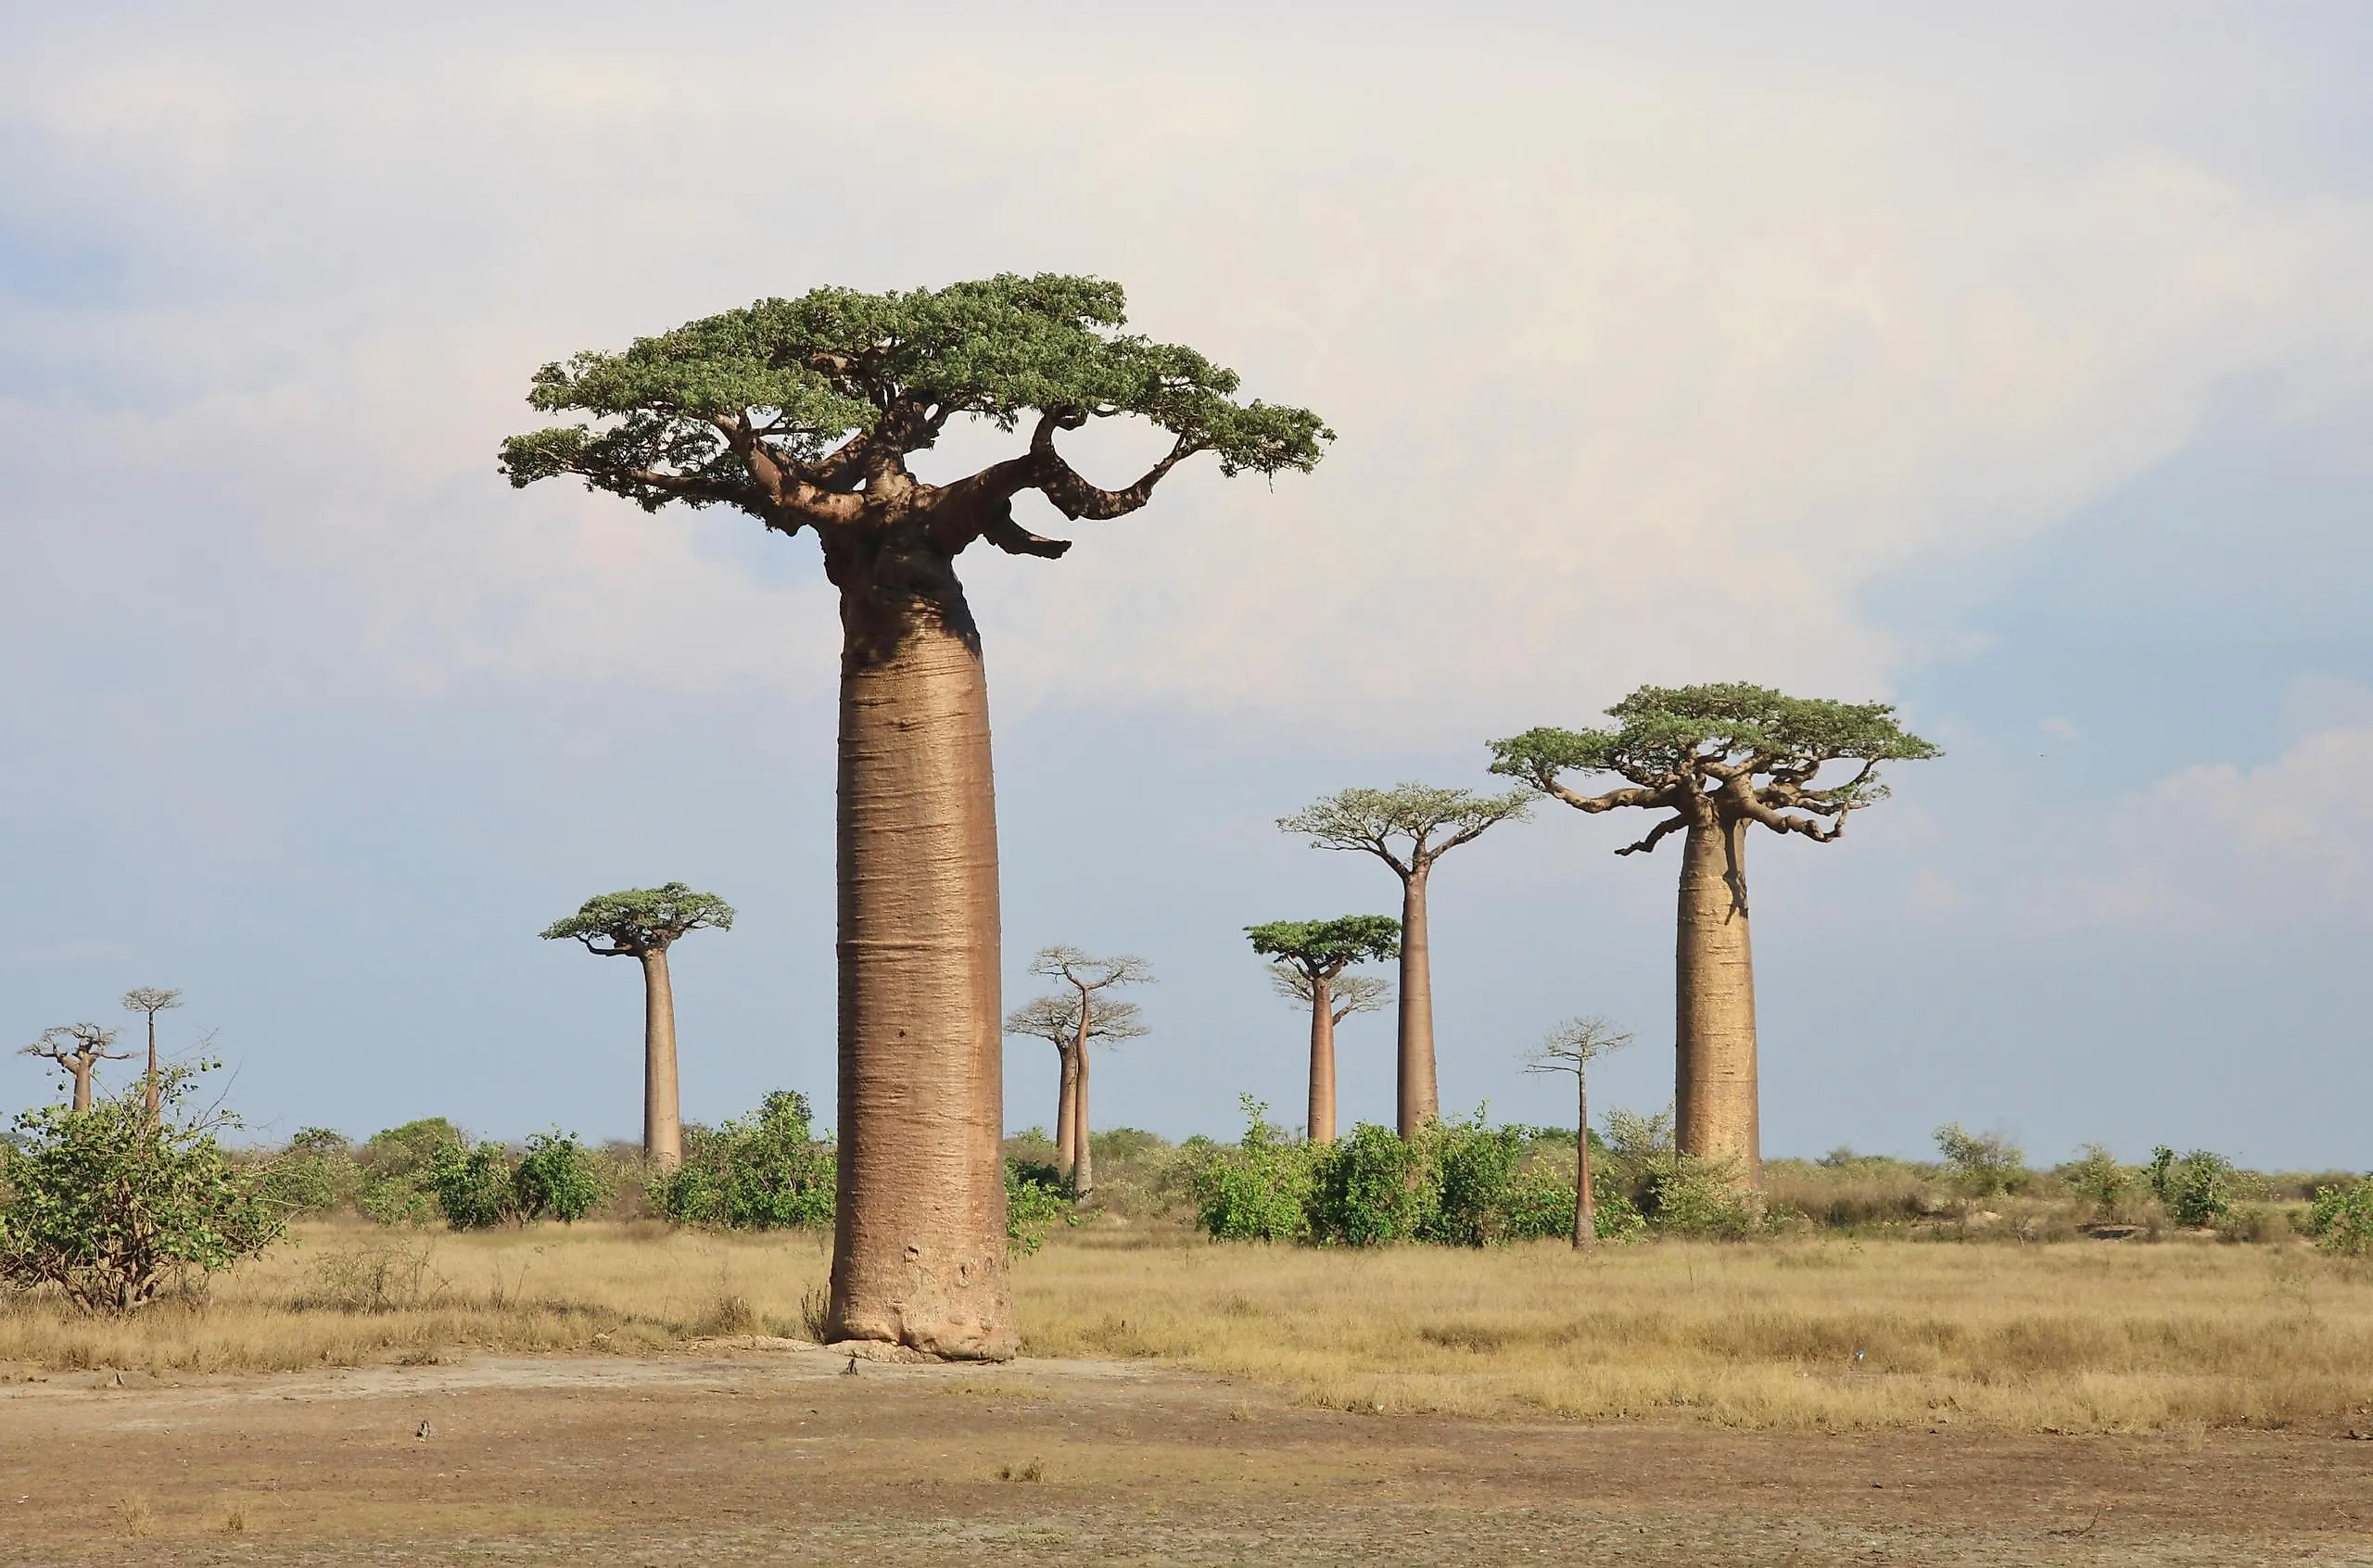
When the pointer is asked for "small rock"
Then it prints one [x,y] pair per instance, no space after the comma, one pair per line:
[424,1431]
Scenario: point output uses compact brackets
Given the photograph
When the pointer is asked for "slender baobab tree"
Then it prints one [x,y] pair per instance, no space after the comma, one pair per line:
[1310,957]
[803,414]
[1409,827]
[1057,1020]
[643,923]
[1073,1154]
[151,1000]
[1572,1046]
[1717,759]
[77,1049]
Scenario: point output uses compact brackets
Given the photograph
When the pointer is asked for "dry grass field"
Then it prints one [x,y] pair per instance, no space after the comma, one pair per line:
[1811,1334]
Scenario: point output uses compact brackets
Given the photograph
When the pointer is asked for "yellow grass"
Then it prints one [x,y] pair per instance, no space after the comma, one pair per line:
[2079,1335]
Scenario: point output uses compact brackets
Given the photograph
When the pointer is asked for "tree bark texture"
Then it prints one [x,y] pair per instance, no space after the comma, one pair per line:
[1083,1150]
[154,1100]
[1714,1086]
[1322,1061]
[1067,1114]
[919,1252]
[1419,1100]
[1585,1201]
[663,1123]
[82,1071]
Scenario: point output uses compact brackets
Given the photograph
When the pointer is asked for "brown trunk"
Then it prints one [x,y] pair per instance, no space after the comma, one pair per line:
[156,1107]
[919,1253]
[663,1125]
[82,1071]
[1084,1147]
[1713,1092]
[1585,1202]
[1419,1100]
[1067,1114]
[1322,1061]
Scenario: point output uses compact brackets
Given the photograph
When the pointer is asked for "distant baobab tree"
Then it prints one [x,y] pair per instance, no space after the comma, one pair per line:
[1055,1019]
[1093,1018]
[1409,827]
[151,1000]
[643,924]
[77,1049]
[1572,1046]
[1309,960]
[803,414]
[1717,759]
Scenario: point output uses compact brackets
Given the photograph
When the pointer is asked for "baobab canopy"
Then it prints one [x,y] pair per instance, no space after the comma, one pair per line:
[634,921]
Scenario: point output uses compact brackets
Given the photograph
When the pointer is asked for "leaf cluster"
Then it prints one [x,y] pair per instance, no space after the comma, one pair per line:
[1323,949]
[767,1171]
[1409,826]
[634,921]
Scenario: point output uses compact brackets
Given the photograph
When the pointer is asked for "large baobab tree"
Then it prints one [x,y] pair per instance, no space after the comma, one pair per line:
[643,924]
[1572,1046]
[1309,960]
[1409,827]
[1086,976]
[1057,1021]
[78,1049]
[1716,759]
[151,1000]
[803,414]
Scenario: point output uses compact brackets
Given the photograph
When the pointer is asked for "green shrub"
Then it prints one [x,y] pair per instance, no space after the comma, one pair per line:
[1983,1163]
[1036,1201]
[764,1173]
[2098,1179]
[1256,1189]
[2340,1219]
[1372,1187]
[396,1167]
[316,1173]
[1473,1172]
[109,1208]
[2197,1189]
[1701,1197]
[1540,1202]
[557,1178]
[475,1187]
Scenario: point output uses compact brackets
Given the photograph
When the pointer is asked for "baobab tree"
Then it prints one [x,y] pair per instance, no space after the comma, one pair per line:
[803,414]
[643,923]
[1409,827]
[77,1049]
[1057,1020]
[1717,759]
[151,1000]
[1086,976]
[1310,957]
[1572,1046]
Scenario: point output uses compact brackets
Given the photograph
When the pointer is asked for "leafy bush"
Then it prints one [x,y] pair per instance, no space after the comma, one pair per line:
[1540,1199]
[1983,1163]
[398,1165]
[316,1173]
[1370,1188]
[767,1172]
[109,1207]
[2098,1178]
[1473,1178]
[1701,1197]
[474,1186]
[557,1178]
[1255,1191]
[2197,1189]
[2340,1219]
[1036,1201]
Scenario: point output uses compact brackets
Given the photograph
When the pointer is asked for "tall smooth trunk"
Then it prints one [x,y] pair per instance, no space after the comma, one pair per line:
[1585,1201]
[1715,1090]
[1083,1148]
[82,1071]
[155,1100]
[918,1254]
[1067,1114]
[663,1122]
[1322,1061]
[1419,1100]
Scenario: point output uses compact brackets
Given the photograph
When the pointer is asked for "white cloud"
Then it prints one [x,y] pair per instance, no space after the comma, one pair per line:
[1647,362]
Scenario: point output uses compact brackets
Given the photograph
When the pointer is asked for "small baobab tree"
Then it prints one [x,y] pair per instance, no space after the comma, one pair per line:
[643,924]
[1409,827]
[1572,1046]
[1308,960]
[1716,759]
[802,413]
[151,1000]
[1086,976]
[1055,1019]
[77,1049]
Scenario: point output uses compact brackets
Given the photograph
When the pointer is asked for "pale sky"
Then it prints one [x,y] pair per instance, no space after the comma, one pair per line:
[2009,365]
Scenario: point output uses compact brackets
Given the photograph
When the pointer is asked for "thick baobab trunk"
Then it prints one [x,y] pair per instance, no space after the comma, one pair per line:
[918,1255]
[155,1101]
[1715,1095]
[1322,1061]
[663,1122]
[1083,1150]
[1067,1114]
[1419,1098]
[82,1071]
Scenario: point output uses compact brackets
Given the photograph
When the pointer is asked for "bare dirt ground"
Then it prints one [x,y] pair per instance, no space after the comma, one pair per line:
[747,1455]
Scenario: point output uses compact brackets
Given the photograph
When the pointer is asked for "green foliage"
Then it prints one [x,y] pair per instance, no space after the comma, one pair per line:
[1255,1191]
[2340,1219]
[1036,1201]
[638,920]
[1371,1187]
[557,1179]
[1701,1197]
[1328,947]
[109,1207]
[809,373]
[767,1171]
[1406,826]
[474,1187]
[316,1173]
[2197,1189]
[397,1165]
[1983,1163]
[2098,1178]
